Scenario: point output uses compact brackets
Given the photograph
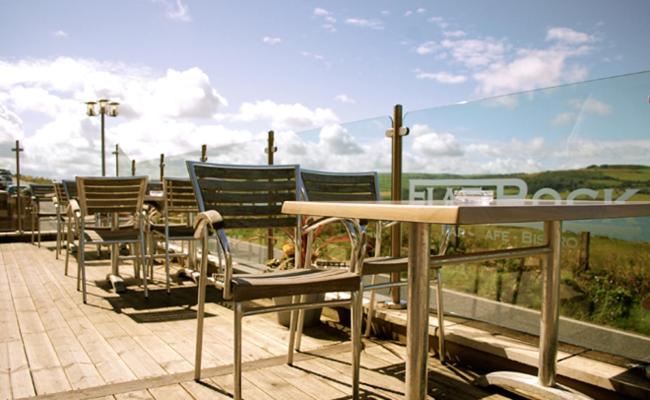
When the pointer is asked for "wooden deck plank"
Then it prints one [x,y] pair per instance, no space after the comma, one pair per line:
[135,395]
[208,390]
[77,367]
[275,386]
[170,392]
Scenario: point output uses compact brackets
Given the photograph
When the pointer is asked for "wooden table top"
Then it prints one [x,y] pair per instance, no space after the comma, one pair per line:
[456,212]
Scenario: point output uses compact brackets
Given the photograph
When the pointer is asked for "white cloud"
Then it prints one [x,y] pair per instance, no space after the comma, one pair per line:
[321,12]
[284,116]
[60,34]
[329,21]
[427,143]
[442,77]
[344,98]
[314,56]
[337,140]
[172,113]
[568,36]
[531,69]
[592,106]
[365,23]
[271,40]
[175,10]
[426,47]
[442,24]
[421,10]
[408,13]
[456,33]
[581,109]
[385,12]
[475,52]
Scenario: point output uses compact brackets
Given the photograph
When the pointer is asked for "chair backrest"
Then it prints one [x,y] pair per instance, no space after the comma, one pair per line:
[179,195]
[340,186]
[246,196]
[42,192]
[70,188]
[154,186]
[61,195]
[111,195]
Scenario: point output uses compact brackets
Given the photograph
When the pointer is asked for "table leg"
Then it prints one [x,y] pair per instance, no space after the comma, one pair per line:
[548,334]
[544,387]
[418,312]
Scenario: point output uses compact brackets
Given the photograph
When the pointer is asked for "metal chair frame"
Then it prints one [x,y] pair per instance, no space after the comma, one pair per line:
[176,201]
[117,203]
[40,194]
[211,219]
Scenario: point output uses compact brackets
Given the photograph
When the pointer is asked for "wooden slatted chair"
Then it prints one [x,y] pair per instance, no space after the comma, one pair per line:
[179,209]
[115,197]
[364,186]
[41,194]
[343,186]
[251,197]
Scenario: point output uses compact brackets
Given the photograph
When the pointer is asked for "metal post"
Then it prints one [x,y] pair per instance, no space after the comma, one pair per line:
[417,322]
[132,167]
[270,150]
[162,166]
[19,212]
[396,134]
[551,306]
[204,152]
[116,153]
[102,112]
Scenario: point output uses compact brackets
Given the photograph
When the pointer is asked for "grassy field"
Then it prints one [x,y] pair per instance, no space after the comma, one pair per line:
[596,177]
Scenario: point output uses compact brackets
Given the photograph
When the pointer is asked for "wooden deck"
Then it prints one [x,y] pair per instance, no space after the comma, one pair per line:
[124,346]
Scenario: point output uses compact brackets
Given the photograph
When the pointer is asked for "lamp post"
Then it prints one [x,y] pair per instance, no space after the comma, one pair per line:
[105,107]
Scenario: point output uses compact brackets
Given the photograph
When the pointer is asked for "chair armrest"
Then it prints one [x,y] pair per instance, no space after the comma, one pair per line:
[204,220]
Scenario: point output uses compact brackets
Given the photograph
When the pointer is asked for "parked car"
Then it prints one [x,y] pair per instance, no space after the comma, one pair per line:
[25,190]
[6,179]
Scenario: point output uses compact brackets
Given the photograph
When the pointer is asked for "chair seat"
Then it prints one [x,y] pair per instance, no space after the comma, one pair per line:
[291,283]
[176,230]
[384,265]
[108,236]
[47,214]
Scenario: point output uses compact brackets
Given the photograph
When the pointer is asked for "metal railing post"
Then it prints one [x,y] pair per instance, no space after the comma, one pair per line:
[132,167]
[270,150]
[19,212]
[162,167]
[204,152]
[396,133]
[116,153]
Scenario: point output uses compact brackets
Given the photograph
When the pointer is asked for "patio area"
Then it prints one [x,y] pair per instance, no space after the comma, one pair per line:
[125,346]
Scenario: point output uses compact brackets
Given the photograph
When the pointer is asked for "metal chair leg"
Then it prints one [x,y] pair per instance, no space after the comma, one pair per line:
[144,264]
[301,324]
[441,315]
[67,251]
[203,278]
[355,326]
[82,266]
[371,308]
[38,226]
[167,261]
[237,349]
[292,332]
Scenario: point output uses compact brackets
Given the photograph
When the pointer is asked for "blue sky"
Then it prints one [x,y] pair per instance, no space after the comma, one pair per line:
[222,73]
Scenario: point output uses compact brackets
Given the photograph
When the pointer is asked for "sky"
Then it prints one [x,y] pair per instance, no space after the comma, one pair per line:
[223,73]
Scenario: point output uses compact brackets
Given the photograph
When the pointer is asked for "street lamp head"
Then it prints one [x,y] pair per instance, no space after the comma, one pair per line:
[102,105]
[113,108]
[90,108]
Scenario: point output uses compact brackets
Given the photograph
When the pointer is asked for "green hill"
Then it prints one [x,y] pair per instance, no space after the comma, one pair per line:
[617,177]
